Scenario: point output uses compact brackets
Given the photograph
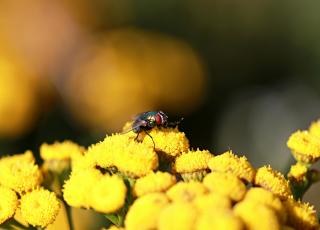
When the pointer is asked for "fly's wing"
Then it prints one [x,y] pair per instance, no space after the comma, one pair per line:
[134,126]
[140,115]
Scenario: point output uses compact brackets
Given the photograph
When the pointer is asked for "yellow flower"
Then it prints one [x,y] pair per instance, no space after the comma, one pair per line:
[267,198]
[314,128]
[273,181]
[169,141]
[256,216]
[8,203]
[19,173]
[27,156]
[228,162]
[108,194]
[144,212]
[77,189]
[95,153]
[153,182]
[301,215]
[212,201]
[193,164]
[61,150]
[298,172]
[305,147]
[186,191]
[129,156]
[226,184]
[219,220]
[39,207]
[177,216]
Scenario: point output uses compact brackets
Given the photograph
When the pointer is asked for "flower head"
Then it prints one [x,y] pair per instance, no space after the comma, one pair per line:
[267,198]
[8,203]
[230,163]
[301,215]
[77,189]
[177,216]
[256,216]
[219,220]
[153,182]
[305,147]
[27,156]
[314,128]
[108,194]
[20,173]
[61,150]
[298,172]
[170,141]
[192,161]
[212,201]
[128,156]
[186,191]
[192,164]
[273,181]
[226,184]
[144,212]
[39,207]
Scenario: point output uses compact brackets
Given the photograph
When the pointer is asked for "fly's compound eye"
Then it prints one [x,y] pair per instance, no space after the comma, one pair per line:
[158,119]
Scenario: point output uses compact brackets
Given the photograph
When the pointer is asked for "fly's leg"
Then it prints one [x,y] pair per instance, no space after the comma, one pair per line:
[154,145]
[136,138]
[175,123]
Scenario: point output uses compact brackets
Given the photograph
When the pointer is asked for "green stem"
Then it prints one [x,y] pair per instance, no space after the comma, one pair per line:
[69,215]
[300,188]
[115,219]
[13,224]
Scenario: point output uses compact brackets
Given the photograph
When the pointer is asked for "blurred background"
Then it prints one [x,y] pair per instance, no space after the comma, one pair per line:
[244,75]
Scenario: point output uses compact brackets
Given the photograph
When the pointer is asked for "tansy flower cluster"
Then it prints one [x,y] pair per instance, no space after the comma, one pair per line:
[172,186]
[169,186]
[21,191]
[305,148]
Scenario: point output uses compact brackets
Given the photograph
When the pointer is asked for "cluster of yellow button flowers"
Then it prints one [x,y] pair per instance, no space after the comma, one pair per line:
[170,186]
[21,191]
